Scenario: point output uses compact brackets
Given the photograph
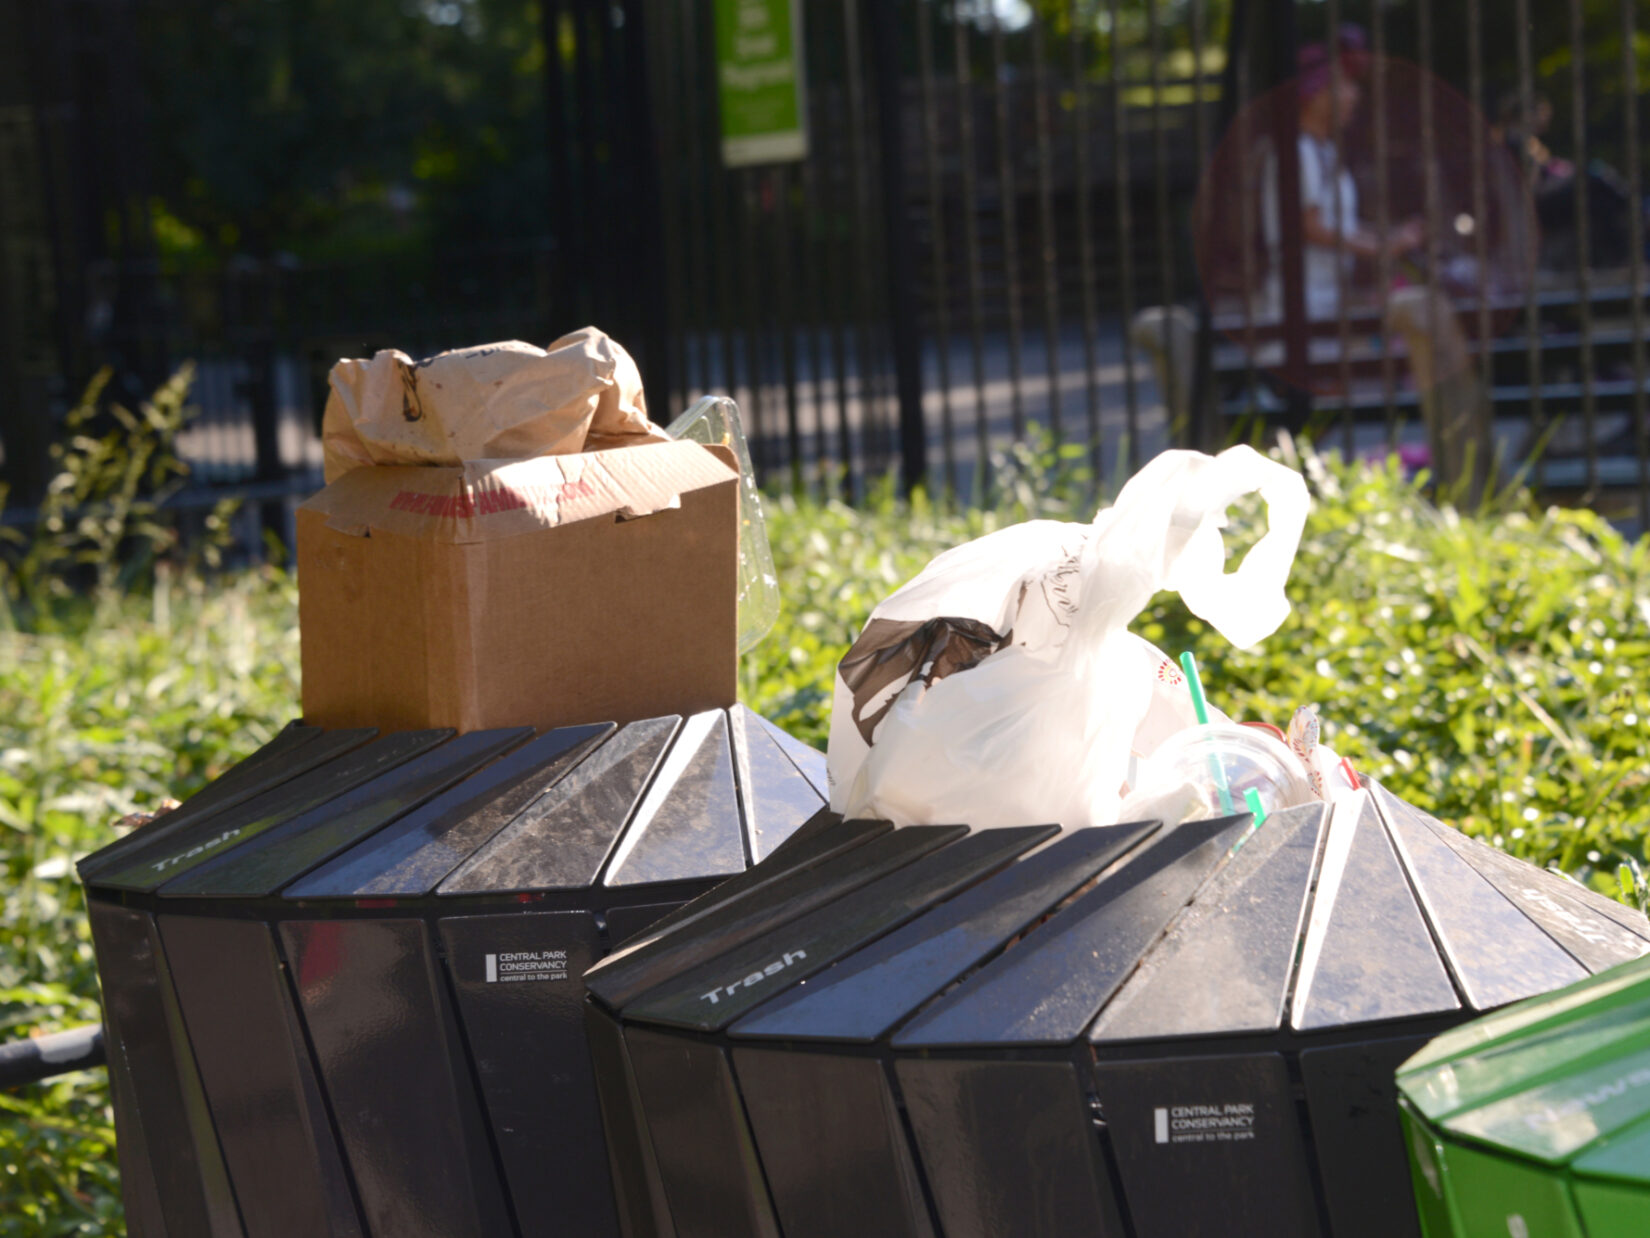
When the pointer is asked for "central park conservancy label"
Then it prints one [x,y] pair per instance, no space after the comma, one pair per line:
[760,81]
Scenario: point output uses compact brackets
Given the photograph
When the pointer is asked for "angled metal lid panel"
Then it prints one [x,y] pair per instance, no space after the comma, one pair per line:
[1495,951]
[826,835]
[1596,941]
[560,841]
[212,837]
[688,825]
[621,977]
[1049,986]
[1225,965]
[776,797]
[1368,954]
[284,853]
[868,992]
[713,995]
[409,857]
[278,760]
[807,759]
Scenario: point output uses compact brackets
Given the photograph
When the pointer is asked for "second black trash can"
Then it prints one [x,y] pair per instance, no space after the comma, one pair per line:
[1125,1031]
[343,984]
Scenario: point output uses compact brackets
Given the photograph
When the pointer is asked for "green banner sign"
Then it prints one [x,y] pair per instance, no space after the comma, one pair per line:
[760,81]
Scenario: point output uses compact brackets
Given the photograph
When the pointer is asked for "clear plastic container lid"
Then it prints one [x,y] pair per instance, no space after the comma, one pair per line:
[1222,762]
[714,420]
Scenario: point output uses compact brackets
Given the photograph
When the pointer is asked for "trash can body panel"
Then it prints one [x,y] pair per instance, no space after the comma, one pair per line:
[1226,964]
[1008,1148]
[1183,1125]
[866,994]
[707,1159]
[275,1134]
[830,1140]
[1352,1104]
[638,1190]
[562,840]
[191,1185]
[373,1004]
[521,1001]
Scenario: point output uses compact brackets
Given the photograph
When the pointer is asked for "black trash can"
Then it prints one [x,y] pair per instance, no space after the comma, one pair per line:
[1126,1031]
[343,984]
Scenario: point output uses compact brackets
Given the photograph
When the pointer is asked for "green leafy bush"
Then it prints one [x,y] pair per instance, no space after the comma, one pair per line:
[1482,666]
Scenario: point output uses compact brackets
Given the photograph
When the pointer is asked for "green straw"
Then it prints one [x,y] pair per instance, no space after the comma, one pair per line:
[1200,706]
[1251,797]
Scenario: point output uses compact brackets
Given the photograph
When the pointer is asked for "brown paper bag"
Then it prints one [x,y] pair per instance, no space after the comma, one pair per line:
[505,401]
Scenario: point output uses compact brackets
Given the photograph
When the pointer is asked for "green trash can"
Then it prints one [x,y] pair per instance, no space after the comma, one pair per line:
[1534,1121]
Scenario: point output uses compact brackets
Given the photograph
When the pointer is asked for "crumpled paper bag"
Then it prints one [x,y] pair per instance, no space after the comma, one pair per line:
[505,401]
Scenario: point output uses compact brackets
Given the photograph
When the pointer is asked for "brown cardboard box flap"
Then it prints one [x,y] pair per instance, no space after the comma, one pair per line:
[485,500]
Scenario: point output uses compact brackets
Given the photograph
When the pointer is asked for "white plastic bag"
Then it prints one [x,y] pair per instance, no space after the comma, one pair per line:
[1001,686]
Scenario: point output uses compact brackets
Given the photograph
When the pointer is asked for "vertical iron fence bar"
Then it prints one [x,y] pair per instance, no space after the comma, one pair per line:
[1480,233]
[1125,256]
[1292,242]
[1635,243]
[1584,275]
[1045,225]
[788,321]
[1246,219]
[1526,168]
[696,119]
[1006,194]
[940,283]
[752,224]
[719,197]
[839,260]
[819,306]
[1160,188]
[673,87]
[1383,216]
[1085,239]
[873,438]
[971,242]
[1429,171]
[898,243]
[1343,328]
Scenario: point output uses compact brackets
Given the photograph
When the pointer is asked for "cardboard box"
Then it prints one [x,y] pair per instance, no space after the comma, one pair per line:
[564,589]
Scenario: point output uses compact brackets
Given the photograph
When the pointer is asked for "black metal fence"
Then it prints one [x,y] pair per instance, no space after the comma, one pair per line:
[1079,219]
